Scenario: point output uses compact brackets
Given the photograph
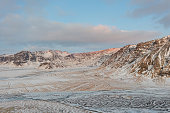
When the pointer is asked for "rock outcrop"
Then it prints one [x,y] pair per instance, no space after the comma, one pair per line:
[150,58]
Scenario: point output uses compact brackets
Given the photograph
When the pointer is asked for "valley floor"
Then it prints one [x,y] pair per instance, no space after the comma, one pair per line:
[21,80]
[76,91]
[115,101]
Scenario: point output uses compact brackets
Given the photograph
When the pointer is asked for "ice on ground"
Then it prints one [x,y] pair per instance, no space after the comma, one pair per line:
[82,89]
[38,107]
[149,100]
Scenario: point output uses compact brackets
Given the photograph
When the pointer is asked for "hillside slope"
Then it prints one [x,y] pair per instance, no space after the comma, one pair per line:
[57,59]
[150,58]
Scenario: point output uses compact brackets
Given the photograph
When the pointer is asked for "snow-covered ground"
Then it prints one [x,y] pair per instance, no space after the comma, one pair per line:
[150,100]
[21,80]
[32,106]
[77,90]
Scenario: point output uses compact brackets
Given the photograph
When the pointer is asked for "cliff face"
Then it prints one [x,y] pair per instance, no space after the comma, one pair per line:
[150,58]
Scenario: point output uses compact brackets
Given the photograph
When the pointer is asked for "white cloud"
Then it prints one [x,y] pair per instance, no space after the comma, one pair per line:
[22,25]
[17,29]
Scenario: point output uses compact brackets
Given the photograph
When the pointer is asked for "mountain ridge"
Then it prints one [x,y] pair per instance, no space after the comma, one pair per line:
[149,58]
[54,58]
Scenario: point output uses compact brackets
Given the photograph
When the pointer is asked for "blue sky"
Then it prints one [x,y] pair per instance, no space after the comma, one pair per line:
[80,25]
[95,12]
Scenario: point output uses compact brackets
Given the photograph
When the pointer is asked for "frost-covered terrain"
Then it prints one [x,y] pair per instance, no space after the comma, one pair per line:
[32,106]
[149,100]
[21,80]
[149,59]
[77,90]
[56,59]
[135,78]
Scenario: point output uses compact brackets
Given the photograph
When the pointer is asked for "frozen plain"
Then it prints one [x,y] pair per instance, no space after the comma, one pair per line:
[76,90]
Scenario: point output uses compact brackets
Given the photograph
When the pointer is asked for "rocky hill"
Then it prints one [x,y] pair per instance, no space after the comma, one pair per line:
[150,58]
[56,59]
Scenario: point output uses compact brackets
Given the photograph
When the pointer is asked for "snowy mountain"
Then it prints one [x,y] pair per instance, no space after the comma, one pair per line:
[56,59]
[150,58]
[132,66]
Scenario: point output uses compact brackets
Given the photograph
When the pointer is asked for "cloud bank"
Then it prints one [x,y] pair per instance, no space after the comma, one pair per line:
[17,29]
[23,24]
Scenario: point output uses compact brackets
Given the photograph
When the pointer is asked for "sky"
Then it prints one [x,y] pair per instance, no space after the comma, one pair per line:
[80,25]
